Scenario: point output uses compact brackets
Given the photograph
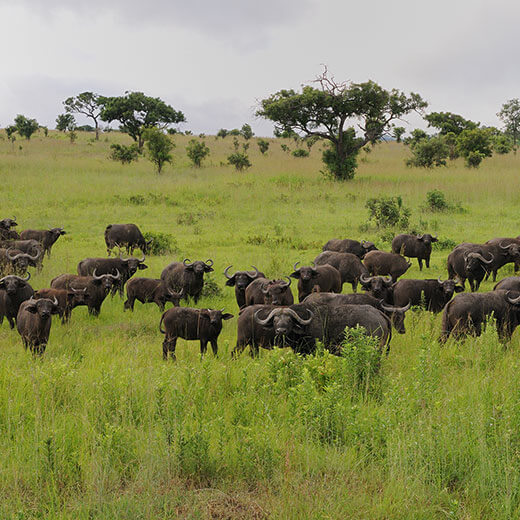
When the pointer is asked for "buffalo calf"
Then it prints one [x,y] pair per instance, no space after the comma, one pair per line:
[150,290]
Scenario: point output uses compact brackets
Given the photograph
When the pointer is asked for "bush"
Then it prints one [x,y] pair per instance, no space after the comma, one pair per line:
[159,147]
[474,145]
[162,244]
[502,144]
[300,152]
[124,154]
[239,160]
[263,145]
[428,152]
[388,212]
[436,201]
[197,151]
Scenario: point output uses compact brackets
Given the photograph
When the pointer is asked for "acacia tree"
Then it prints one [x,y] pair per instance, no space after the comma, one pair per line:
[330,110]
[86,103]
[447,122]
[137,112]
[65,122]
[398,132]
[25,126]
[510,116]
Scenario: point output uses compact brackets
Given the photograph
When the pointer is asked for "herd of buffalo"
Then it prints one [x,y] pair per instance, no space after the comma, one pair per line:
[268,315]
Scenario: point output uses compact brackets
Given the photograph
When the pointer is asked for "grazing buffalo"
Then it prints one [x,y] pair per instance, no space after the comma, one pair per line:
[270,292]
[34,323]
[67,299]
[240,280]
[184,322]
[29,247]
[186,276]
[414,246]
[13,291]
[97,287]
[349,266]
[126,267]
[467,263]
[467,312]
[360,249]
[150,290]
[505,251]
[383,263]
[431,294]
[125,235]
[6,231]
[380,287]
[16,261]
[321,278]
[511,283]
[46,237]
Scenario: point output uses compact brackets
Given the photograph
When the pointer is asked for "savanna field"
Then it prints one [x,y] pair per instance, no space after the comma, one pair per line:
[102,427]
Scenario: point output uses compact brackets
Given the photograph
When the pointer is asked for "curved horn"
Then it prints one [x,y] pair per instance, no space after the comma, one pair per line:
[284,284]
[115,276]
[294,266]
[388,279]
[365,279]
[38,254]
[419,236]
[514,301]
[439,280]
[480,257]
[300,320]
[504,247]
[141,260]
[20,278]
[266,320]
[12,258]
[55,301]
[465,255]
[96,276]
[78,290]
[226,272]
[391,308]
[187,264]
[207,262]
[257,272]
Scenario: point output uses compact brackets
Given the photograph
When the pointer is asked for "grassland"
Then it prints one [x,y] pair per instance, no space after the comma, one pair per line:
[101,427]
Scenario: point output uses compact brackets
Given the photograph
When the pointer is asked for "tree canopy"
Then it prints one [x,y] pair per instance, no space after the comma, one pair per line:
[510,116]
[86,103]
[447,122]
[25,126]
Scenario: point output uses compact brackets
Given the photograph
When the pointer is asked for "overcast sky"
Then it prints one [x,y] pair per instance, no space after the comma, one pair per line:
[214,59]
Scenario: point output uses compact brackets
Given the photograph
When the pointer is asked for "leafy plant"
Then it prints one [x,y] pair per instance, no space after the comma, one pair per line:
[300,152]
[388,211]
[162,243]
[159,147]
[239,160]
[197,151]
[436,201]
[124,154]
[263,146]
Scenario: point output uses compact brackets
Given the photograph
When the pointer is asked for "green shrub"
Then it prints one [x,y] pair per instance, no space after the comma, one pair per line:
[240,160]
[211,287]
[443,244]
[388,211]
[124,154]
[436,201]
[428,153]
[263,146]
[197,151]
[300,152]
[162,244]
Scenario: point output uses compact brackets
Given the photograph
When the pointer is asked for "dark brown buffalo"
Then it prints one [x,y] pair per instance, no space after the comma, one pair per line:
[13,291]
[430,294]
[249,332]
[150,290]
[97,287]
[468,262]
[186,276]
[126,267]
[380,287]
[269,292]
[396,314]
[125,235]
[46,237]
[467,312]
[360,249]
[321,278]
[6,231]
[185,322]
[505,251]
[34,323]
[511,283]
[383,263]
[240,280]
[414,246]
[16,261]
[349,266]
[67,299]
[29,247]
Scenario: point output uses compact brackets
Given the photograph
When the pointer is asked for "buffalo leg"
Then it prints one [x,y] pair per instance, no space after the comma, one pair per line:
[129,304]
[11,321]
[214,346]
[354,285]
[427,262]
[419,261]
[239,348]
[203,347]
[169,345]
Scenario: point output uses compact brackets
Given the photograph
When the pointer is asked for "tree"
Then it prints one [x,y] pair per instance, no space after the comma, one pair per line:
[325,110]
[222,133]
[11,131]
[124,154]
[263,145]
[246,131]
[197,151]
[510,116]
[447,122]
[86,103]
[65,122]
[137,112]
[474,145]
[159,147]
[398,132]
[239,160]
[25,126]
[429,152]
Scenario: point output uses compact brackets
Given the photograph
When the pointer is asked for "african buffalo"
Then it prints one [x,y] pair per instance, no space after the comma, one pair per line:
[34,323]
[125,235]
[431,294]
[240,280]
[505,251]
[414,246]
[97,287]
[321,278]
[383,263]
[349,266]
[67,299]
[511,283]
[360,249]
[270,292]
[13,291]
[150,290]
[46,237]
[469,263]
[16,261]
[380,287]
[6,231]
[184,322]
[186,276]
[467,312]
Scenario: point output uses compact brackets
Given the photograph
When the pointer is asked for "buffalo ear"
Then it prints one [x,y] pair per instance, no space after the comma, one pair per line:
[208,269]
[142,266]
[227,316]
[459,288]
[295,274]
[231,281]
[435,239]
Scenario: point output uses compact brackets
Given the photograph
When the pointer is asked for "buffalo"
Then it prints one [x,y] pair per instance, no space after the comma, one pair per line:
[360,249]
[467,263]
[67,300]
[414,246]
[467,312]
[125,235]
[505,251]
[431,294]
[270,292]
[511,283]
[6,231]
[13,291]
[240,280]
[383,263]
[16,261]
[190,324]
[46,237]
[380,287]
[320,278]
[97,287]
[150,290]
[188,277]
[349,266]
[34,323]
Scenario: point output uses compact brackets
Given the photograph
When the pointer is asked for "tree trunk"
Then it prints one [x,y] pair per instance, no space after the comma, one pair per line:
[97,129]
[140,142]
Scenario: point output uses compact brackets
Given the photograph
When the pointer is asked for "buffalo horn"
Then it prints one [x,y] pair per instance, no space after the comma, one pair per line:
[300,320]
[186,262]
[266,320]
[257,272]
[38,254]
[13,258]
[390,308]
[514,301]
[207,262]
[365,279]
[284,284]
[226,272]
[419,236]
[294,266]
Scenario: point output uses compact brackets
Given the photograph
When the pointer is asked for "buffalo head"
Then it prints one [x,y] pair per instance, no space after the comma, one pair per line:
[198,267]
[241,279]
[284,321]
[12,283]
[427,238]
[378,286]
[44,307]
[274,291]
